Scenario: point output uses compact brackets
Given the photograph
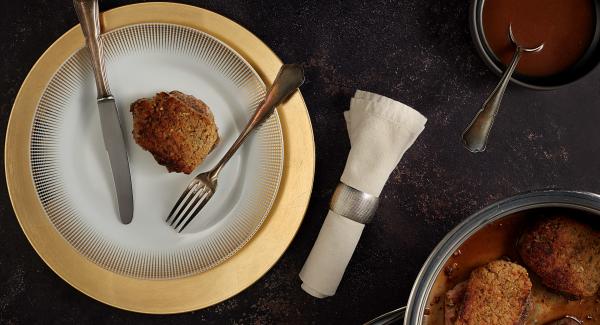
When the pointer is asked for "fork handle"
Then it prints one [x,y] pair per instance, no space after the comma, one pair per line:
[289,78]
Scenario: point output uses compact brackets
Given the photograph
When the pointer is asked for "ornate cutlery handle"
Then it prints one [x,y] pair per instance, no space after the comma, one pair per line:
[89,19]
[476,135]
[390,317]
[289,78]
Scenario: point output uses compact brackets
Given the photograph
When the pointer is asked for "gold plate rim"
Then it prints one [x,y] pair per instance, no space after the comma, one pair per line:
[181,294]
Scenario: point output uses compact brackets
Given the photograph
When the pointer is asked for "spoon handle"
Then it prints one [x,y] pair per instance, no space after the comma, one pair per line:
[390,317]
[476,135]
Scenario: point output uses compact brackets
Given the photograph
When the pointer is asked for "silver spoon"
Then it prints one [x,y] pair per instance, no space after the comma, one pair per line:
[388,318]
[476,135]
[396,315]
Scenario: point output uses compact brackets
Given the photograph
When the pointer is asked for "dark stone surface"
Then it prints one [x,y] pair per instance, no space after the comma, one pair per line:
[418,52]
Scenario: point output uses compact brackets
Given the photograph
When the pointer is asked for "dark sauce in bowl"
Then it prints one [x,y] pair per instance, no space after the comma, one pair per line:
[566,27]
[498,240]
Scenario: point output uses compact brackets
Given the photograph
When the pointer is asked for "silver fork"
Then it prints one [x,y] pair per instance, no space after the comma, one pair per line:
[203,186]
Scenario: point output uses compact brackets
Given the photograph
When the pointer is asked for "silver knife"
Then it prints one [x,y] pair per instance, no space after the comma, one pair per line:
[88,14]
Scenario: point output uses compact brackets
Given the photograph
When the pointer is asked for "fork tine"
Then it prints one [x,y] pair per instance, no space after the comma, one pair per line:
[197,210]
[192,190]
[183,195]
[198,196]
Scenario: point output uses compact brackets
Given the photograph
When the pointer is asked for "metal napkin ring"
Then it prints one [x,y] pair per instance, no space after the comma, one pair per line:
[353,204]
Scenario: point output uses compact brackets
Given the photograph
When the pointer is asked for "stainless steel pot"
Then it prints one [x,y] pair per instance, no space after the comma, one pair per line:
[418,299]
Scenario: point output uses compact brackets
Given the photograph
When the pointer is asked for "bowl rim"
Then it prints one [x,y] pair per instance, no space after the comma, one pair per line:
[478,38]
[417,301]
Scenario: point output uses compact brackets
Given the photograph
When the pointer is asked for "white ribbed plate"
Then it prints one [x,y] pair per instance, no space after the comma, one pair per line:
[72,174]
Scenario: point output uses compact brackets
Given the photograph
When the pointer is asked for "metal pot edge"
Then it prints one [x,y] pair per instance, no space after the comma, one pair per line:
[417,302]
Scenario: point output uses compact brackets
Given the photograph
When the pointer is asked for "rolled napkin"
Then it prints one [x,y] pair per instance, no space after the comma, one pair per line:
[380,131]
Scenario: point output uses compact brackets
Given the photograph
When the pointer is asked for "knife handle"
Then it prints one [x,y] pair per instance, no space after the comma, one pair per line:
[89,19]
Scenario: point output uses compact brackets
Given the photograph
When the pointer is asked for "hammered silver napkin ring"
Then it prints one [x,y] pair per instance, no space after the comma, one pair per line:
[353,204]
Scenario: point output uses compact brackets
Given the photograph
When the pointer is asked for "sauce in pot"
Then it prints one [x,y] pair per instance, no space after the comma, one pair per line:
[498,240]
[566,27]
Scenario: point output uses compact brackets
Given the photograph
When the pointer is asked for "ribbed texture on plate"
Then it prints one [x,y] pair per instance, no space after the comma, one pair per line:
[57,203]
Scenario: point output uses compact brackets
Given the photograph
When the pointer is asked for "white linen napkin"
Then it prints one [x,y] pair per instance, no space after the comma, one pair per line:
[380,131]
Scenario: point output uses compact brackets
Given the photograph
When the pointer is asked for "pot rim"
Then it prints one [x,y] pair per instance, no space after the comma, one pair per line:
[417,301]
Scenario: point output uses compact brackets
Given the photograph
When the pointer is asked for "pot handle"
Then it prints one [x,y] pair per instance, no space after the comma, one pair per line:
[390,317]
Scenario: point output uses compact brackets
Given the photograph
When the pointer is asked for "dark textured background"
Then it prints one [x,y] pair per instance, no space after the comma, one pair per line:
[415,51]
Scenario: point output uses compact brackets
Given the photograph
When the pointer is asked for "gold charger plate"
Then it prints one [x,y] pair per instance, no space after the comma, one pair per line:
[181,294]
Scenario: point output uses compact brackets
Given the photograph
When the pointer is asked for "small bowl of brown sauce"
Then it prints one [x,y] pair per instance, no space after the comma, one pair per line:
[569,30]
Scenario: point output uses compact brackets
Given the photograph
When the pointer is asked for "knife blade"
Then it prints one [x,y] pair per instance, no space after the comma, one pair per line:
[114,142]
[117,155]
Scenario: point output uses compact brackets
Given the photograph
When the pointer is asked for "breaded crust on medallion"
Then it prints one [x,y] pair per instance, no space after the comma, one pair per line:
[565,254]
[495,294]
[177,129]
